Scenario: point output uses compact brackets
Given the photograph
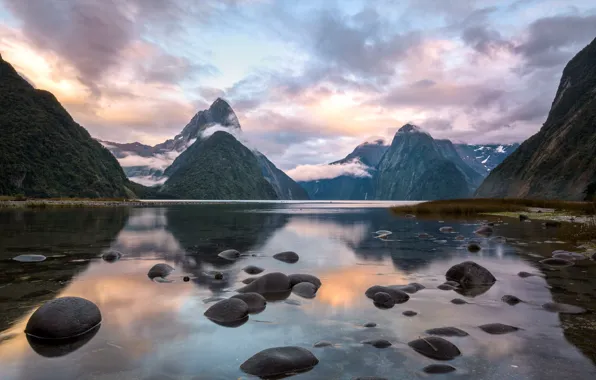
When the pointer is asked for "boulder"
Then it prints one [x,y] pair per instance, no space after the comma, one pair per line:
[383,300]
[279,361]
[437,369]
[484,231]
[469,274]
[409,313]
[29,258]
[397,295]
[510,300]
[305,290]
[557,262]
[228,311]
[159,270]
[269,283]
[498,328]
[298,278]
[63,318]
[229,254]
[446,230]
[255,302]
[378,343]
[111,256]
[435,348]
[251,269]
[563,308]
[447,331]
[474,247]
[287,257]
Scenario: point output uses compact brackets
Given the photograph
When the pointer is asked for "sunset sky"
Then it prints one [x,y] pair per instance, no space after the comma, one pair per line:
[309,80]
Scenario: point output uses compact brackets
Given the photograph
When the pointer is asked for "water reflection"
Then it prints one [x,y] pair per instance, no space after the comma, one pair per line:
[157,330]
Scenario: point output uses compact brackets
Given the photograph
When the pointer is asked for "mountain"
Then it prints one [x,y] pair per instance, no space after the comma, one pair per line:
[418,167]
[218,167]
[284,186]
[558,162]
[44,152]
[350,187]
[484,158]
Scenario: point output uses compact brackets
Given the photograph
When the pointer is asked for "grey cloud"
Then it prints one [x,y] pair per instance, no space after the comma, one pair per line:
[210,93]
[484,40]
[424,83]
[167,68]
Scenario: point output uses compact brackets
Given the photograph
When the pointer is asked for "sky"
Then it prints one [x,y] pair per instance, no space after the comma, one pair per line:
[309,80]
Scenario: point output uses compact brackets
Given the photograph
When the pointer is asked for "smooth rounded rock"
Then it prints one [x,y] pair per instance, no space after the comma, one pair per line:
[279,361]
[510,300]
[227,311]
[469,274]
[557,262]
[409,313]
[369,324]
[446,230]
[526,274]
[484,231]
[447,331]
[378,343]
[159,270]
[229,254]
[186,279]
[255,302]
[300,277]
[438,369]
[498,328]
[458,301]
[418,286]
[269,283]
[111,256]
[473,247]
[383,300]
[287,257]
[435,348]
[252,269]
[305,290]
[563,308]
[218,276]
[397,295]
[322,344]
[63,318]
[29,258]
[249,280]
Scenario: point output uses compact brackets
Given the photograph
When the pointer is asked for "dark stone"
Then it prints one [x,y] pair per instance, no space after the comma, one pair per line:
[409,313]
[60,347]
[256,302]
[445,287]
[473,247]
[159,270]
[437,369]
[418,286]
[229,254]
[111,256]
[228,311]
[249,280]
[298,278]
[378,343]
[322,343]
[525,274]
[287,257]
[435,348]
[63,318]
[29,258]
[251,269]
[469,274]
[279,361]
[510,300]
[218,276]
[557,262]
[383,300]
[186,279]
[458,301]
[563,308]
[397,295]
[446,230]
[269,283]
[523,217]
[305,290]
[369,324]
[447,331]
[498,328]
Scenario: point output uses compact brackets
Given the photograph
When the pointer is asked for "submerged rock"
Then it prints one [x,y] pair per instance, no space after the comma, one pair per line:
[159,270]
[218,276]
[570,256]
[510,300]
[469,274]
[397,295]
[526,274]
[322,343]
[563,308]
[287,257]
[423,235]
[269,283]
[111,256]
[229,254]
[255,302]
[498,328]
[458,301]
[305,290]
[447,331]
[446,230]
[460,237]
[228,311]
[378,343]
[485,230]
[252,269]
[474,247]
[437,369]
[29,258]
[278,361]
[435,348]
[383,300]
[557,262]
[63,318]
[409,313]
[186,279]
[369,324]
[298,278]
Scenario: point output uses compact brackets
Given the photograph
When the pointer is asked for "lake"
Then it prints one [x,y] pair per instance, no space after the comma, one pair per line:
[154,330]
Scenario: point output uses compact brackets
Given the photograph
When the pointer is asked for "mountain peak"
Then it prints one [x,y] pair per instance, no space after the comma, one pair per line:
[410,128]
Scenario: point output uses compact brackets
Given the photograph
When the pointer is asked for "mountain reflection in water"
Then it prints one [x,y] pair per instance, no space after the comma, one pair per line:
[157,330]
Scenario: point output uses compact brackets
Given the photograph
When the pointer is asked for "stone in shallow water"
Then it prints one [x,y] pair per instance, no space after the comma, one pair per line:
[498,328]
[510,300]
[445,287]
[557,263]
[229,254]
[269,283]
[51,348]
[469,274]
[111,256]
[418,286]
[249,280]
[397,295]
[252,269]
[446,230]
[383,300]
[526,274]
[436,369]
[29,258]
[570,256]
[186,279]
[460,237]
[287,257]
[298,278]
[369,324]
[447,331]
[378,343]
[256,302]
[484,231]
[435,348]
[228,311]
[62,318]
[305,290]
[322,343]
[159,270]
[279,361]
[563,308]
[473,247]
[409,313]
[458,301]
[423,235]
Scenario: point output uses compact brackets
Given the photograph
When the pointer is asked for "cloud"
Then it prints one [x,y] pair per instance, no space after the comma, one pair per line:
[149,180]
[237,133]
[316,172]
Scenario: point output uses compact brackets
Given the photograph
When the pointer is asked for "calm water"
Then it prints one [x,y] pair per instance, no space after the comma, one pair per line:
[158,331]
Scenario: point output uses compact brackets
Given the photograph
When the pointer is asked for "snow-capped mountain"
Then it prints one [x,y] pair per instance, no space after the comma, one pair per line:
[484,158]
